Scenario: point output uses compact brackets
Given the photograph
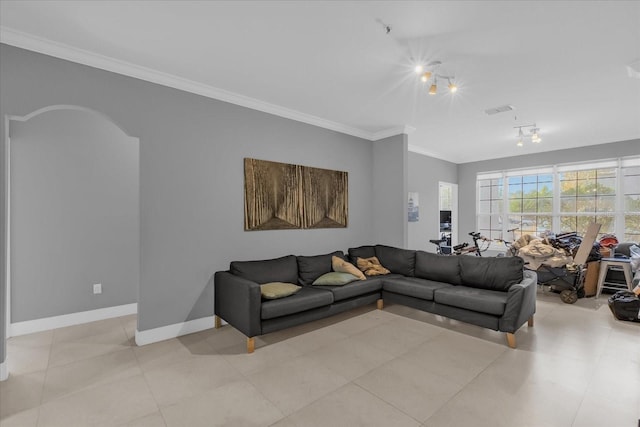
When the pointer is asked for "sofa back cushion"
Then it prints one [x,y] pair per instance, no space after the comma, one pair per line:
[400,261]
[361,252]
[496,274]
[283,269]
[439,268]
[312,267]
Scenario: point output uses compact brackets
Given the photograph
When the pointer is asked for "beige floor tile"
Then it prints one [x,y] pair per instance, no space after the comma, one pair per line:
[34,340]
[234,404]
[106,405]
[164,353]
[350,357]
[28,418]
[91,329]
[351,406]
[616,379]
[313,340]
[130,324]
[20,393]
[597,411]
[456,356]
[362,322]
[263,358]
[88,346]
[24,360]
[416,392]
[152,420]
[285,422]
[225,337]
[75,376]
[578,365]
[182,380]
[296,382]
[399,335]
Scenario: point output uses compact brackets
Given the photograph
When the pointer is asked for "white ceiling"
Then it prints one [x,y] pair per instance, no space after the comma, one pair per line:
[562,64]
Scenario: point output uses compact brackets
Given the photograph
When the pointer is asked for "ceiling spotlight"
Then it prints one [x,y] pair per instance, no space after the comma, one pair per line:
[535,135]
[428,71]
[520,136]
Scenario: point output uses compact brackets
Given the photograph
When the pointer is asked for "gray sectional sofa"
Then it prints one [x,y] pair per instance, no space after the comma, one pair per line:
[494,293]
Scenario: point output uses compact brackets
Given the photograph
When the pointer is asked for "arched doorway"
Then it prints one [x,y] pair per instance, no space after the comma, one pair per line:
[73,219]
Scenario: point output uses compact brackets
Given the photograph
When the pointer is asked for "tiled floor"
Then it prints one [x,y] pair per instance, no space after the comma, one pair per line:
[398,367]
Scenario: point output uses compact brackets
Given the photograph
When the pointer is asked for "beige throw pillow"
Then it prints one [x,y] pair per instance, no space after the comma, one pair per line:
[343,266]
[371,266]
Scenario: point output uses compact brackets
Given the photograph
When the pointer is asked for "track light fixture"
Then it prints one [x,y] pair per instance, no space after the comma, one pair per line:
[428,71]
[534,133]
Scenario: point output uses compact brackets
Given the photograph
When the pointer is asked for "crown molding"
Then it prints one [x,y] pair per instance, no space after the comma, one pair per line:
[386,133]
[63,51]
[419,150]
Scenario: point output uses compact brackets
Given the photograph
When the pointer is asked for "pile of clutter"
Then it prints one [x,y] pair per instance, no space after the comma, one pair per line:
[557,250]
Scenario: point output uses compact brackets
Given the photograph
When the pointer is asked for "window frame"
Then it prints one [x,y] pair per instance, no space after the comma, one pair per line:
[619,215]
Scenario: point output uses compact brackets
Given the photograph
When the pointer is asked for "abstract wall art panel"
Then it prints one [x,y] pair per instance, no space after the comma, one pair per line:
[325,198]
[280,196]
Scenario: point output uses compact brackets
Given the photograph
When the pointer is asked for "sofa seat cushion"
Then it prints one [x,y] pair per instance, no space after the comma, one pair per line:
[283,269]
[306,299]
[480,300]
[413,287]
[355,289]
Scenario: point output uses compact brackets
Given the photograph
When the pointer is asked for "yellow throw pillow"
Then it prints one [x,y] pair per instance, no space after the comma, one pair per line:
[275,290]
[371,266]
[343,266]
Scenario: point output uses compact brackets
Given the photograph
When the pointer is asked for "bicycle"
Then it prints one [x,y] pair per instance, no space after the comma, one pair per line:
[462,248]
[478,249]
[511,251]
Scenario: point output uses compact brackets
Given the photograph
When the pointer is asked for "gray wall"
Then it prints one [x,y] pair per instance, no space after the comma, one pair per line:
[74,214]
[424,174]
[390,191]
[467,171]
[191,175]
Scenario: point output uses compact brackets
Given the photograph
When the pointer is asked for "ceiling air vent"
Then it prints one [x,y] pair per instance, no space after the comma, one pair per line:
[500,109]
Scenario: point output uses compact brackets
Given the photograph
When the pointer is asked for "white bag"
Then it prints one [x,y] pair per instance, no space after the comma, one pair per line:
[634,251]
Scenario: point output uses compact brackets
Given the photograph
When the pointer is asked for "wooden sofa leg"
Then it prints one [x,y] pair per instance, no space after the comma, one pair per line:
[217,322]
[511,340]
[251,345]
[530,322]
[380,304]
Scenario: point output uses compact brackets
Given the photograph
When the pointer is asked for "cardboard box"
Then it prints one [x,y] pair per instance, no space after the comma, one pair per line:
[591,278]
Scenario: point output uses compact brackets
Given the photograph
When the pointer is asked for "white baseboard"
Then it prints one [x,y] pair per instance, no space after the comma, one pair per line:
[172,331]
[48,323]
[4,372]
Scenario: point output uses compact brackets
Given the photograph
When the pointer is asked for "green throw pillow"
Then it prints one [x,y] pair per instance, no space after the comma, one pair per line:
[335,278]
[275,290]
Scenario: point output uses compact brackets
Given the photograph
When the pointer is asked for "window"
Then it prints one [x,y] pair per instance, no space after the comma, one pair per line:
[631,191]
[490,207]
[561,198]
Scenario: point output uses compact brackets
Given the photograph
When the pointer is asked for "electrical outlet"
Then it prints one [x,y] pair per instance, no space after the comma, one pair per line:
[97,288]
